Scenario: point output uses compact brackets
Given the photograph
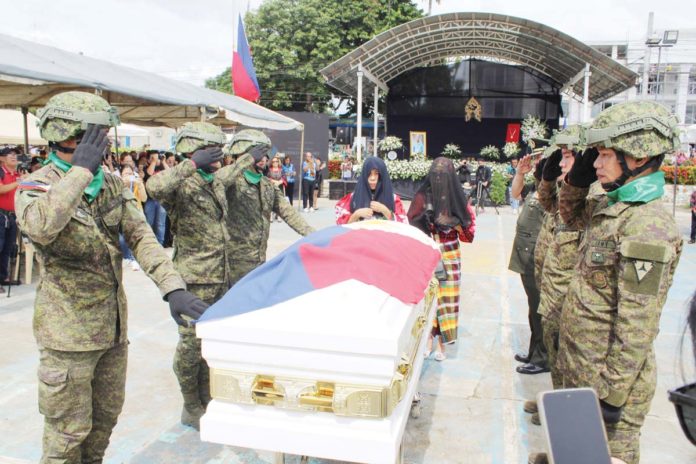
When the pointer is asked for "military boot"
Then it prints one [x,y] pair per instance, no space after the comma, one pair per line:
[538,458]
[530,407]
[536,420]
[193,410]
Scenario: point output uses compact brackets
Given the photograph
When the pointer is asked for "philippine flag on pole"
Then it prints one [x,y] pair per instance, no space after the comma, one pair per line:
[244,80]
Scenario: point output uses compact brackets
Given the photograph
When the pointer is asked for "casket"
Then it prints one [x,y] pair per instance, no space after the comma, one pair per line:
[318,351]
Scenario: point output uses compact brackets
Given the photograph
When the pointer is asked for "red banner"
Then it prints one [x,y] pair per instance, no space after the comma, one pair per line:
[513,133]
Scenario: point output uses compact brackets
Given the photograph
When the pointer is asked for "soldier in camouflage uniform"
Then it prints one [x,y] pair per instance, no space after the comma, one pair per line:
[527,240]
[626,264]
[72,211]
[559,254]
[251,198]
[193,194]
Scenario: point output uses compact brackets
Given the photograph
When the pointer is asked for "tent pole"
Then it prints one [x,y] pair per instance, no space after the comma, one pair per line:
[376,122]
[359,121]
[299,200]
[25,112]
[586,94]
[116,140]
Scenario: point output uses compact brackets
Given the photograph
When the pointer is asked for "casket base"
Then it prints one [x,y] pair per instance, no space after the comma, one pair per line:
[316,434]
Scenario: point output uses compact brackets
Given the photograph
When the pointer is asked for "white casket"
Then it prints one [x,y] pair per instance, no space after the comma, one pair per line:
[315,354]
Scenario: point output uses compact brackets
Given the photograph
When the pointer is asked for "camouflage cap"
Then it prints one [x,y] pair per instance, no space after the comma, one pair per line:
[246,139]
[67,114]
[194,135]
[641,129]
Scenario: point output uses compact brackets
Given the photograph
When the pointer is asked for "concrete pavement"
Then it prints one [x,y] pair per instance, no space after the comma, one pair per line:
[472,405]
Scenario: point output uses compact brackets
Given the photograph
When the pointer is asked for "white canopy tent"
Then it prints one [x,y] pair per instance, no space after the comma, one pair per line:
[31,73]
[12,129]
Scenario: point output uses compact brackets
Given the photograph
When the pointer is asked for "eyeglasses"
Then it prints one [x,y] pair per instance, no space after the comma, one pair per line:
[684,399]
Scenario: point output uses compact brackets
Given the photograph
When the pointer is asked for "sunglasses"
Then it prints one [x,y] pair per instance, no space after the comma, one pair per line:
[684,399]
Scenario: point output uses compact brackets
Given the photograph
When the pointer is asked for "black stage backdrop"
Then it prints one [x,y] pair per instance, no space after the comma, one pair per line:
[433,100]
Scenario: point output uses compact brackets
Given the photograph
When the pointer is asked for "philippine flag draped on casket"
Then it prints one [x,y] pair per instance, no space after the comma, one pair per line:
[395,258]
[324,339]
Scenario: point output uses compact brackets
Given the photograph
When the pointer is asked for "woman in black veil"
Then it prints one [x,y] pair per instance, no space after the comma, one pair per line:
[373,197]
[441,209]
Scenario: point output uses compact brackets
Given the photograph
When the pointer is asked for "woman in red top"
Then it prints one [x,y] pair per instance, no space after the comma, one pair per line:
[373,197]
[441,209]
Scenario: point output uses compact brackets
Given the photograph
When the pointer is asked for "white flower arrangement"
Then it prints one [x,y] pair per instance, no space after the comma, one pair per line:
[511,149]
[452,150]
[490,152]
[533,128]
[389,143]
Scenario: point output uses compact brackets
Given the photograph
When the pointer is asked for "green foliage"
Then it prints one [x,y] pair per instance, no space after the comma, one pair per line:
[498,187]
[292,40]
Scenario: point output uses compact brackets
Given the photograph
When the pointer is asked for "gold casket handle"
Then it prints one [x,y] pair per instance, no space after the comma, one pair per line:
[265,391]
[321,398]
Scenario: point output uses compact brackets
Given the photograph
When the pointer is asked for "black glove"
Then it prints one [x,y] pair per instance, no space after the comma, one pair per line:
[539,168]
[610,414]
[258,152]
[90,151]
[184,303]
[205,157]
[552,167]
[583,173]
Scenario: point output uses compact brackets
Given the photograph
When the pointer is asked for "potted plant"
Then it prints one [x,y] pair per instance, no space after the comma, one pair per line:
[490,152]
[452,151]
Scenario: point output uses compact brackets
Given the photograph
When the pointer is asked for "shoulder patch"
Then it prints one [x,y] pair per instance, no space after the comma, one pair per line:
[645,251]
[643,266]
[33,185]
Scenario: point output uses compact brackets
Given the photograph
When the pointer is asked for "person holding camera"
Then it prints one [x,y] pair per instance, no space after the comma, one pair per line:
[9,180]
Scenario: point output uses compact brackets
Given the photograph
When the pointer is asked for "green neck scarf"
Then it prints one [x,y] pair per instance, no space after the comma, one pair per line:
[207,176]
[94,187]
[642,190]
[252,177]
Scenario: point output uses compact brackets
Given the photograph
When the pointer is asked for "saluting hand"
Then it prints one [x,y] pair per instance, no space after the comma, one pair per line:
[90,152]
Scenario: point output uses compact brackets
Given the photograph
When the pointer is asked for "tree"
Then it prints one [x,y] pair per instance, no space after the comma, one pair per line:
[292,40]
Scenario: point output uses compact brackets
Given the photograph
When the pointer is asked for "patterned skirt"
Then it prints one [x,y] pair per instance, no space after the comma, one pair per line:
[447,319]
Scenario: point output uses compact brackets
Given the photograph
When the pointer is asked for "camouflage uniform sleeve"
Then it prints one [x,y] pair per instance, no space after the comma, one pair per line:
[42,215]
[573,206]
[645,270]
[228,174]
[147,251]
[548,196]
[164,185]
[284,209]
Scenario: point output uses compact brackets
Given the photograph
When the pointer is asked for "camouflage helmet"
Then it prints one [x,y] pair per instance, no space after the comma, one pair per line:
[67,114]
[572,138]
[246,139]
[194,135]
[641,129]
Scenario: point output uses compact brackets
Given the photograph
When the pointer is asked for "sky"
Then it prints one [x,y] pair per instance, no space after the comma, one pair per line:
[191,41]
